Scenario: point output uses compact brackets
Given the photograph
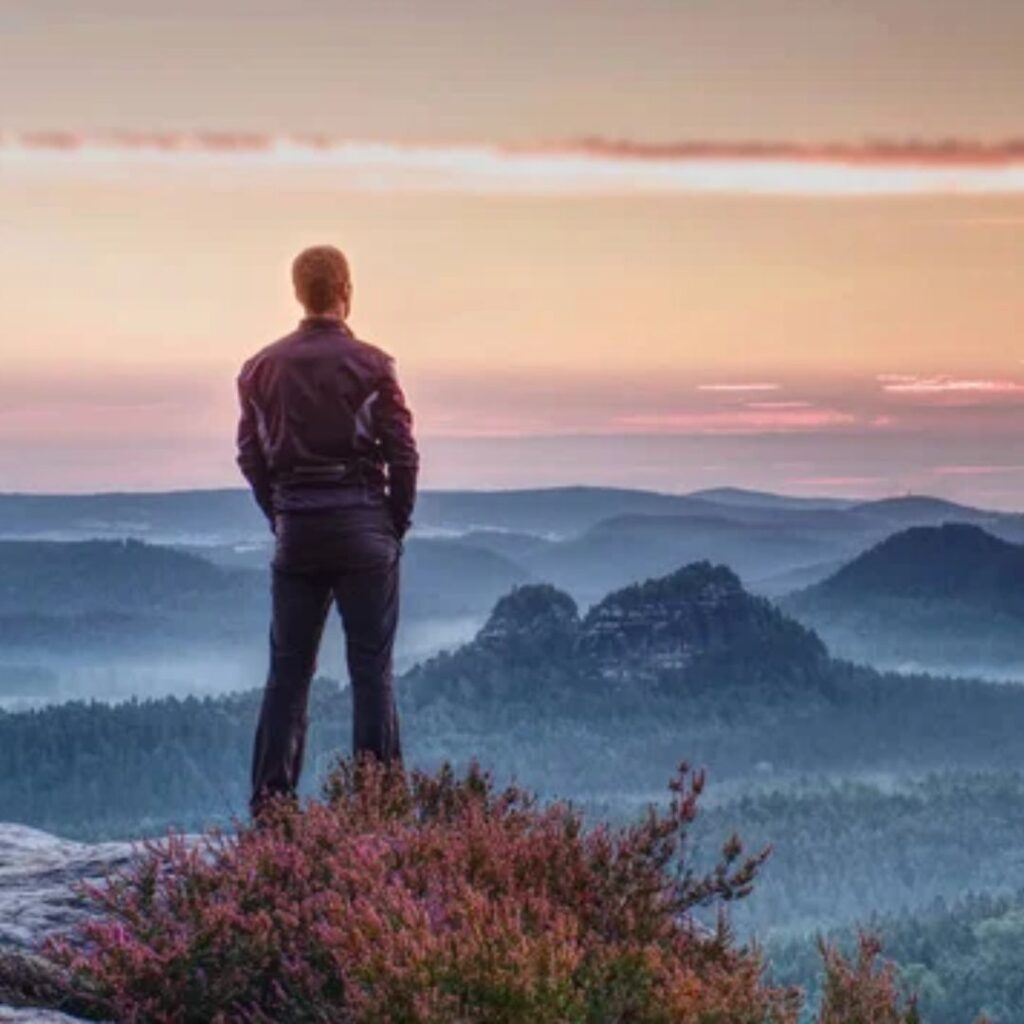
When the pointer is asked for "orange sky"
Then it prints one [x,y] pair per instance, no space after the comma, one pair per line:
[821,325]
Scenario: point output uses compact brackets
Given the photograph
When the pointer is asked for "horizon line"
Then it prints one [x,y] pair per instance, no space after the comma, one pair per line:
[698,492]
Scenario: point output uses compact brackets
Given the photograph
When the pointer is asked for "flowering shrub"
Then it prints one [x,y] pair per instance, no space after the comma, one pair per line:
[863,990]
[431,899]
[421,899]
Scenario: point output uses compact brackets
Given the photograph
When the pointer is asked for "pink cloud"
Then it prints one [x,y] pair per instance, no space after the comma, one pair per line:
[738,387]
[907,384]
[956,152]
[589,166]
[779,405]
[844,482]
[742,421]
[978,470]
[913,152]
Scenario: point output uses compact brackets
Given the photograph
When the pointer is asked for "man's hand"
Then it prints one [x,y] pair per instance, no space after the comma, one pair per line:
[251,460]
[393,425]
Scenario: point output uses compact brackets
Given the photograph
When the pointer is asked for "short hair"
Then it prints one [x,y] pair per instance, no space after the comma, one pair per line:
[321,278]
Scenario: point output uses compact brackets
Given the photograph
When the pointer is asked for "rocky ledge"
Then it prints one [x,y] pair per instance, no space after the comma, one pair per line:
[38,878]
[12,1015]
[39,874]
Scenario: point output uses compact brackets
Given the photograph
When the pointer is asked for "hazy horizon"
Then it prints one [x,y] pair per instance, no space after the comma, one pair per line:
[807,493]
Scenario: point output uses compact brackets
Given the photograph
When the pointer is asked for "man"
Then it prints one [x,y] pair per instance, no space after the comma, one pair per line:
[325,441]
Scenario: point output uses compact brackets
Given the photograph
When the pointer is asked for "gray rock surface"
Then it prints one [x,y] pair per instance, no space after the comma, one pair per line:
[38,878]
[12,1015]
[38,875]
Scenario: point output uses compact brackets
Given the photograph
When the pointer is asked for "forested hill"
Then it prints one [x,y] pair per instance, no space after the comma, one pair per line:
[680,634]
[112,575]
[90,597]
[956,561]
[949,596]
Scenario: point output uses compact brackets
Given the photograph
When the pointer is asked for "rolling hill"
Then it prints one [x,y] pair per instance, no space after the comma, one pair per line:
[947,597]
[625,549]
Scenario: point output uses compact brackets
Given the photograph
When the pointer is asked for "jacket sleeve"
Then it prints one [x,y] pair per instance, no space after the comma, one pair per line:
[251,460]
[393,426]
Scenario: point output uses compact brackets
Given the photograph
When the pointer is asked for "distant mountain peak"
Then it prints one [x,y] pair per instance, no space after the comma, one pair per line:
[917,507]
[944,598]
[698,581]
[742,497]
[698,611]
[536,612]
[959,560]
[944,536]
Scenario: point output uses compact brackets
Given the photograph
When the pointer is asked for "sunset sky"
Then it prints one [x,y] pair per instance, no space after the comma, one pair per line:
[659,243]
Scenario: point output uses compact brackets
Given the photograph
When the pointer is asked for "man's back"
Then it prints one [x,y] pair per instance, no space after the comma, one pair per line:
[325,424]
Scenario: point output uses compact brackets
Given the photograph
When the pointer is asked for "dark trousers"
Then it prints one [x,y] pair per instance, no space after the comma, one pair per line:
[348,557]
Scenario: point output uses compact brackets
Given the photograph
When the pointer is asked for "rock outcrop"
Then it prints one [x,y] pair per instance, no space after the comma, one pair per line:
[28,1015]
[660,628]
[30,987]
[39,875]
[696,627]
[534,619]
[662,625]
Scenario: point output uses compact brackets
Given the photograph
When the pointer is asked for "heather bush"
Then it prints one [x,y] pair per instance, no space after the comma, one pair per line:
[863,990]
[426,899]
[434,899]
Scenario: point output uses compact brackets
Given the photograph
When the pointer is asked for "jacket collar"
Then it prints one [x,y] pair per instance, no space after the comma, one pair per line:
[309,323]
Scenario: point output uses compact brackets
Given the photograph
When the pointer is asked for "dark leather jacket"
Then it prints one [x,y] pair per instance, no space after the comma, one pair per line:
[324,424]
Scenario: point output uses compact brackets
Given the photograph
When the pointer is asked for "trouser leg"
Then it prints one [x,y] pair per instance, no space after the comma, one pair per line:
[368,603]
[300,605]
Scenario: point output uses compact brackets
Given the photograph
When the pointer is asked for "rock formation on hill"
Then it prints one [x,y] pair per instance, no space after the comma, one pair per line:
[681,631]
[667,625]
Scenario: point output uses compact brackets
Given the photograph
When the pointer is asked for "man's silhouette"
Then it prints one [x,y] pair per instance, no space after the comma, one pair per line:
[325,441]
